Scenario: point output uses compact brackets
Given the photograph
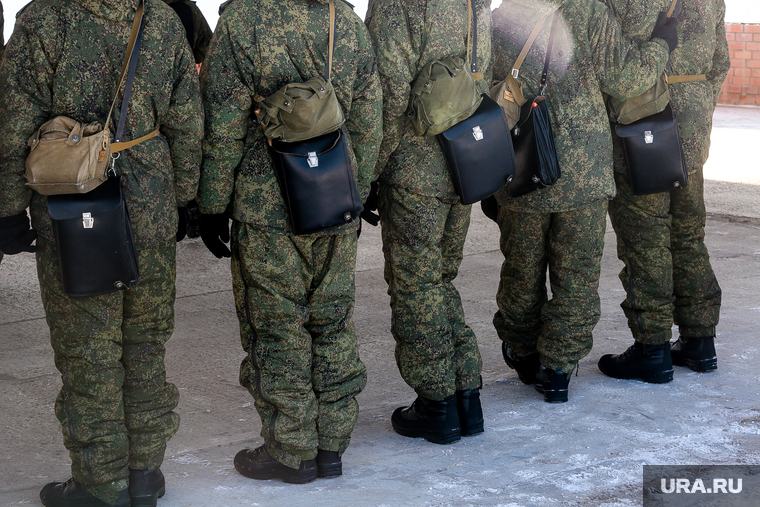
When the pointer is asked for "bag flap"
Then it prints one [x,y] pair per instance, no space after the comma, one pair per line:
[106,197]
[660,122]
[318,145]
[487,113]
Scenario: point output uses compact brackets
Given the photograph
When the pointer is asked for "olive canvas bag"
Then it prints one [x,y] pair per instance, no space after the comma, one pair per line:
[310,152]
[69,157]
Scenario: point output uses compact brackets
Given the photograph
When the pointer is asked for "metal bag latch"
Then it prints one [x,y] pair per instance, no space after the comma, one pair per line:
[87,220]
[312,159]
[477,133]
[648,137]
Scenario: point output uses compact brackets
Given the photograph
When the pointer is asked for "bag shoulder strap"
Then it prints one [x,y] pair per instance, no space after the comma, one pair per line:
[472,35]
[528,45]
[672,8]
[330,41]
[136,28]
[545,73]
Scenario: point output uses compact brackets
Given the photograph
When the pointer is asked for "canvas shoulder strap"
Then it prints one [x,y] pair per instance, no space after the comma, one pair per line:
[531,39]
[682,79]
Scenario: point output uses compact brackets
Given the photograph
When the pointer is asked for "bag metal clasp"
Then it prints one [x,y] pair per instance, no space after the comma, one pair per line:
[648,137]
[515,73]
[477,133]
[87,220]
[312,159]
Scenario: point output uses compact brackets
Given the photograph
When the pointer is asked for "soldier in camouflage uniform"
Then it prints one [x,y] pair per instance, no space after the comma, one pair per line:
[424,224]
[667,275]
[294,294]
[197,29]
[115,406]
[562,227]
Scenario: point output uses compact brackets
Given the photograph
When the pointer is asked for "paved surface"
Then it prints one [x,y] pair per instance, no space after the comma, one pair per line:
[587,452]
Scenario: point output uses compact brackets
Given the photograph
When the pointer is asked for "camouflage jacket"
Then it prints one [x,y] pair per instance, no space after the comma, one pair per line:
[286,43]
[64,58]
[408,35]
[196,27]
[590,57]
[702,49]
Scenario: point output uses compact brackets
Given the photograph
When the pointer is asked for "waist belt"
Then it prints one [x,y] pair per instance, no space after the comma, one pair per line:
[686,79]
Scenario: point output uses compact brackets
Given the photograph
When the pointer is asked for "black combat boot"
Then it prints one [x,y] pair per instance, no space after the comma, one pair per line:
[470,412]
[146,486]
[73,494]
[258,464]
[435,421]
[525,366]
[329,464]
[696,353]
[552,384]
[649,363]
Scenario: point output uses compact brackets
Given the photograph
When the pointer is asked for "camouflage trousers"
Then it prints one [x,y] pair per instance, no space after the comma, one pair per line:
[115,406]
[667,275]
[570,245]
[295,301]
[423,241]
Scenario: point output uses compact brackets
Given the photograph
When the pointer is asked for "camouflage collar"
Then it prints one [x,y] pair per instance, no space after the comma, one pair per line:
[112,10]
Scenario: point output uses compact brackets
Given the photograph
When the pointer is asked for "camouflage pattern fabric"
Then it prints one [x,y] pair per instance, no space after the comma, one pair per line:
[570,244]
[423,224]
[667,274]
[287,43]
[407,36]
[295,300]
[423,241]
[590,56]
[196,27]
[64,58]
[115,406]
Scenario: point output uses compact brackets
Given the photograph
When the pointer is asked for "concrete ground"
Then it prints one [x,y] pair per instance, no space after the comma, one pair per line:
[588,452]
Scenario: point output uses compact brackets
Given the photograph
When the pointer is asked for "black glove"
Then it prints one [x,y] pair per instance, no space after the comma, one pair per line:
[193,219]
[490,207]
[665,29]
[182,225]
[371,205]
[16,234]
[215,232]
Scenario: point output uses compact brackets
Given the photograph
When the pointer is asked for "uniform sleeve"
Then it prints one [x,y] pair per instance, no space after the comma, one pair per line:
[624,69]
[365,124]
[391,33]
[227,102]
[183,125]
[26,81]
[721,59]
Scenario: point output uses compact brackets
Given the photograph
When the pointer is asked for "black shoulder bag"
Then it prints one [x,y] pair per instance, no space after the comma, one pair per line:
[93,234]
[478,149]
[533,139]
[316,176]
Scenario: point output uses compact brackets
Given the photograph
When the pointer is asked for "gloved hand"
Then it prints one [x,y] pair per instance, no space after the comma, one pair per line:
[490,207]
[371,205]
[665,29]
[17,235]
[182,225]
[215,232]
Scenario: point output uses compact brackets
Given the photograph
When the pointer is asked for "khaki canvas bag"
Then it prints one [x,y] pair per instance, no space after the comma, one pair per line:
[652,101]
[69,157]
[508,93]
[444,93]
[302,111]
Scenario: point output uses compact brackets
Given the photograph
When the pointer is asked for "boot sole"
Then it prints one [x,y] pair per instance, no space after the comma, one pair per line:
[430,437]
[698,365]
[263,475]
[553,396]
[329,470]
[660,378]
[148,501]
[475,430]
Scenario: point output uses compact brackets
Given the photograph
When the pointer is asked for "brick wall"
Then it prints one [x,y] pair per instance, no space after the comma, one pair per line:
[742,85]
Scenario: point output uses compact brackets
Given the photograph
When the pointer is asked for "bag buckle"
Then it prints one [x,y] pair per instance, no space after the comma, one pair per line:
[87,220]
[477,133]
[648,137]
[312,159]
[515,73]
